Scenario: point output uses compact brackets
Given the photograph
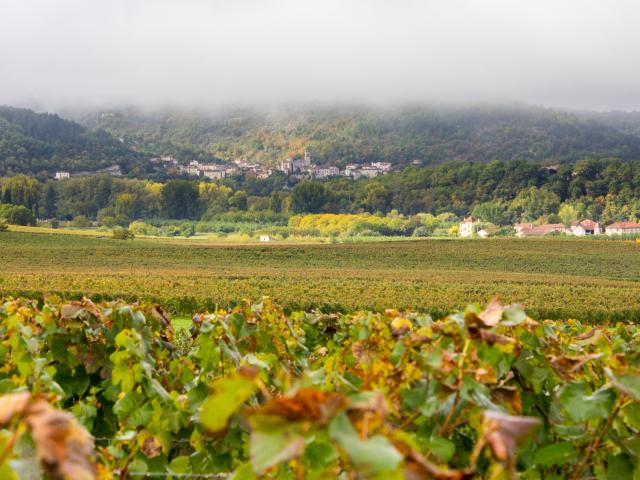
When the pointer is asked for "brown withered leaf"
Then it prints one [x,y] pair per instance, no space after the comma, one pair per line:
[307,404]
[151,447]
[509,396]
[63,446]
[13,406]
[80,308]
[492,314]
[503,433]
[419,468]
[489,337]
[488,318]
[566,366]
[588,334]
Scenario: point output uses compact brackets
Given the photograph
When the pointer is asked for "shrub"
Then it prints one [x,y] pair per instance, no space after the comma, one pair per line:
[120,233]
[17,215]
[80,221]
[421,232]
[3,225]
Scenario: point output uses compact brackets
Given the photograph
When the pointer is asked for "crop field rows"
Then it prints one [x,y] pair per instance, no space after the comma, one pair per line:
[553,278]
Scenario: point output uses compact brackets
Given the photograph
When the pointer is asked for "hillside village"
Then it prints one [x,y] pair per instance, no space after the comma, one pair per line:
[473,227]
[296,168]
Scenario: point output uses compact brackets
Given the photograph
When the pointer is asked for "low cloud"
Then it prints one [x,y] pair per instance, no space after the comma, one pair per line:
[209,53]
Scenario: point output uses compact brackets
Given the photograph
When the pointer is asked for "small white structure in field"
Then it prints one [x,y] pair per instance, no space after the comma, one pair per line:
[61,175]
[468,226]
[483,233]
[266,238]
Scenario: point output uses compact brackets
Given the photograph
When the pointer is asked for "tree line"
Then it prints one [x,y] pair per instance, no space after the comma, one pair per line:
[497,192]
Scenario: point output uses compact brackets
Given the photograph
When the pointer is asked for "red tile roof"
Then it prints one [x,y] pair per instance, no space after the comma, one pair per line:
[624,225]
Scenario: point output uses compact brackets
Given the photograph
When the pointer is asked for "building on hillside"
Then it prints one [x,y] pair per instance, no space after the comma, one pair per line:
[325,172]
[482,233]
[370,171]
[585,227]
[623,228]
[266,238]
[306,162]
[62,175]
[212,172]
[384,167]
[286,166]
[468,226]
[193,168]
[531,230]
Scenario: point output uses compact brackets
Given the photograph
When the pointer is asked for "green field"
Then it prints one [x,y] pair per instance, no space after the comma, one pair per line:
[558,278]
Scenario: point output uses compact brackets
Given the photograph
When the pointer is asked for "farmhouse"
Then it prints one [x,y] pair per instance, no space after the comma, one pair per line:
[468,226]
[623,228]
[531,230]
[266,238]
[62,175]
[585,227]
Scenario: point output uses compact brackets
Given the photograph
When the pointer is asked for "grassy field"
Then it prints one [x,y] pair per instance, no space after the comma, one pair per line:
[553,277]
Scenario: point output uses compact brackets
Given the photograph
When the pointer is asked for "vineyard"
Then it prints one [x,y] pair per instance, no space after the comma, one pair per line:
[112,390]
[601,278]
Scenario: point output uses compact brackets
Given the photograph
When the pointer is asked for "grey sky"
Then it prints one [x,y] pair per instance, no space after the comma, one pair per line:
[155,53]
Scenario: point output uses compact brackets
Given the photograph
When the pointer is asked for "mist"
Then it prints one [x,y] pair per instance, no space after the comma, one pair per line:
[207,54]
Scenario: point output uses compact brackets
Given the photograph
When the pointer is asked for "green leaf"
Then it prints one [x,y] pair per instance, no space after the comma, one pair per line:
[582,405]
[374,455]
[7,473]
[557,454]
[243,472]
[180,464]
[268,448]
[320,454]
[442,448]
[619,467]
[629,384]
[229,395]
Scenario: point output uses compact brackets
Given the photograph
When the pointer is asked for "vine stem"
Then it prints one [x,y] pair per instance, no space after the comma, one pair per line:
[456,401]
[596,441]
[8,448]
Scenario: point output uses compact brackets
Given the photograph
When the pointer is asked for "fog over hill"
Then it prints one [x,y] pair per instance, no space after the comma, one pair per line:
[356,134]
[207,54]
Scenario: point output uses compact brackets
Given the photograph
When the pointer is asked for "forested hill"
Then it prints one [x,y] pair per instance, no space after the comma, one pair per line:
[401,135]
[36,143]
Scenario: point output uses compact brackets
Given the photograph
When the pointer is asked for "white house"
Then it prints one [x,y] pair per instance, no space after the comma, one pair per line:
[623,228]
[585,227]
[482,233]
[61,175]
[468,226]
[266,238]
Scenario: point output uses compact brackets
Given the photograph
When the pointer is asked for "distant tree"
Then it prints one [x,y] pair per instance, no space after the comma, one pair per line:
[309,197]
[492,212]
[275,202]
[49,199]
[180,199]
[568,214]
[17,215]
[80,221]
[22,190]
[533,203]
[376,198]
[125,206]
[238,201]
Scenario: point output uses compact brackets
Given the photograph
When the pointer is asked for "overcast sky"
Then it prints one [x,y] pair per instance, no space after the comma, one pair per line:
[206,53]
